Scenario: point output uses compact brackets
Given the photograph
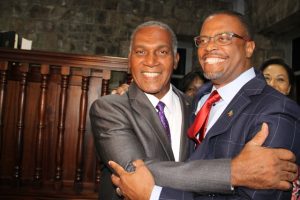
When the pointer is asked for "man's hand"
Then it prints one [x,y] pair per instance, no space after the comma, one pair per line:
[259,167]
[136,185]
[121,89]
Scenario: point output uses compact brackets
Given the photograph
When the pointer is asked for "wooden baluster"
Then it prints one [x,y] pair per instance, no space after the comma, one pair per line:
[104,91]
[129,78]
[97,175]
[24,68]
[37,178]
[105,82]
[59,154]
[81,130]
[3,82]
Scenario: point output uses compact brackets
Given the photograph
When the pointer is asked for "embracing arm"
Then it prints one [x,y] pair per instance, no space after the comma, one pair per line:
[275,168]
[116,140]
[259,167]
[255,167]
[195,176]
[119,143]
[282,117]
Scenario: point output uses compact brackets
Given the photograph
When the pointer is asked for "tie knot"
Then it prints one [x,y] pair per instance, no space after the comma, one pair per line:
[214,97]
[160,106]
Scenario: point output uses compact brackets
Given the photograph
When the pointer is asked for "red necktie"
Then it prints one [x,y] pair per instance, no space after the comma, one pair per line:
[201,119]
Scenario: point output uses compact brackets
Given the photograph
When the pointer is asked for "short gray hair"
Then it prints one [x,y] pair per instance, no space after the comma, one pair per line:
[159,24]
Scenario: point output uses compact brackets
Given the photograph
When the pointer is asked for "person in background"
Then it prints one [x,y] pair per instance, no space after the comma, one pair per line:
[192,81]
[280,76]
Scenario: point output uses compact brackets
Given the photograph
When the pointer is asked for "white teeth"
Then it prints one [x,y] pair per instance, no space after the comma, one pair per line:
[151,74]
[213,60]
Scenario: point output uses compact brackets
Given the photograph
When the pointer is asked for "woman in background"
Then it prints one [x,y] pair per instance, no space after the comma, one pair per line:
[191,82]
[279,75]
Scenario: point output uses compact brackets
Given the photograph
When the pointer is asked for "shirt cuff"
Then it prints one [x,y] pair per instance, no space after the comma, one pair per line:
[155,192]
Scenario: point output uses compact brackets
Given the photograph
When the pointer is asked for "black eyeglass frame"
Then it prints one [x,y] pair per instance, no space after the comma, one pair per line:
[230,34]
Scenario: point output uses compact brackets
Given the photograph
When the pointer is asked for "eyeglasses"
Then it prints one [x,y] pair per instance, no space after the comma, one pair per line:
[220,39]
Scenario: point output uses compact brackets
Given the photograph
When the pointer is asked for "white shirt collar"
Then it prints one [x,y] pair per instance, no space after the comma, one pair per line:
[167,99]
[228,91]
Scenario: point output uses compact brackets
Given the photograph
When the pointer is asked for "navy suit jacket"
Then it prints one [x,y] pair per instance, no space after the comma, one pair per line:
[255,103]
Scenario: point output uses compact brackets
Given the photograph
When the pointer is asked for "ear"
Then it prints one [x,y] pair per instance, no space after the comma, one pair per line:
[250,46]
[176,60]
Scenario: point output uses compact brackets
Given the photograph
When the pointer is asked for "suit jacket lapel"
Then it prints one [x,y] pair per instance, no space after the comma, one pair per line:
[232,111]
[186,110]
[205,89]
[146,114]
[237,105]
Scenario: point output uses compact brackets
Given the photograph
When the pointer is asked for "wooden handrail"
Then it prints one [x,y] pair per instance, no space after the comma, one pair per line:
[54,58]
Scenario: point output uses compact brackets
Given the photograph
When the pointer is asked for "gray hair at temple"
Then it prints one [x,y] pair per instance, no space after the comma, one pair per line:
[159,24]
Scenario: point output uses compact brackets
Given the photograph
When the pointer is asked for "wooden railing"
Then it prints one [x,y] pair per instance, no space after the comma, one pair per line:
[46,144]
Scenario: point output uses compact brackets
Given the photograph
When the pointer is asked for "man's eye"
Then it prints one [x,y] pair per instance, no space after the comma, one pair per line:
[203,40]
[163,52]
[223,38]
[140,52]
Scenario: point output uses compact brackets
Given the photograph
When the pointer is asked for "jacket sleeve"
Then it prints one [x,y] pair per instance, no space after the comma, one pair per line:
[282,116]
[116,140]
[113,135]
[194,176]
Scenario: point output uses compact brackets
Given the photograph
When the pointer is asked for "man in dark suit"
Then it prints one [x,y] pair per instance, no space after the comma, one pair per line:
[224,49]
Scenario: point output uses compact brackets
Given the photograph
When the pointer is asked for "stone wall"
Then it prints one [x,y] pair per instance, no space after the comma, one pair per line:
[103,27]
[277,24]
[99,27]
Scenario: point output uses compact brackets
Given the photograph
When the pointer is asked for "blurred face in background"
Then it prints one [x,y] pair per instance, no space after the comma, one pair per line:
[277,77]
[194,86]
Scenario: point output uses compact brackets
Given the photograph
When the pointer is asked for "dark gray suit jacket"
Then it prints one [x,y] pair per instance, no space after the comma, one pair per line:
[127,128]
[254,104]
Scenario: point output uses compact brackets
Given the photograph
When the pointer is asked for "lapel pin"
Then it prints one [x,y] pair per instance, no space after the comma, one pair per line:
[230,113]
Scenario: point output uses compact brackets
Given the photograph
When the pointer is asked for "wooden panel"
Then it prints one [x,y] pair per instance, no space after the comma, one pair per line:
[47,149]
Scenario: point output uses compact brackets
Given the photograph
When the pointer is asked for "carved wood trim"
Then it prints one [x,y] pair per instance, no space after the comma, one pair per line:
[3,87]
[46,144]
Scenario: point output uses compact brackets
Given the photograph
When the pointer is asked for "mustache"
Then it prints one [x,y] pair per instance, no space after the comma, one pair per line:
[213,54]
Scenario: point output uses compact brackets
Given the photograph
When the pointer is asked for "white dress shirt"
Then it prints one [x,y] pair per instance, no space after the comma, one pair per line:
[227,93]
[173,114]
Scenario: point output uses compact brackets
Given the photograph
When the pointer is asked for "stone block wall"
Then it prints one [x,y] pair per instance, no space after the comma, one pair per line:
[103,27]
[100,27]
[276,24]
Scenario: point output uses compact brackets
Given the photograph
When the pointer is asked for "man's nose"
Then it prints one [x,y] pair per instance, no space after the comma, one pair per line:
[211,45]
[151,60]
